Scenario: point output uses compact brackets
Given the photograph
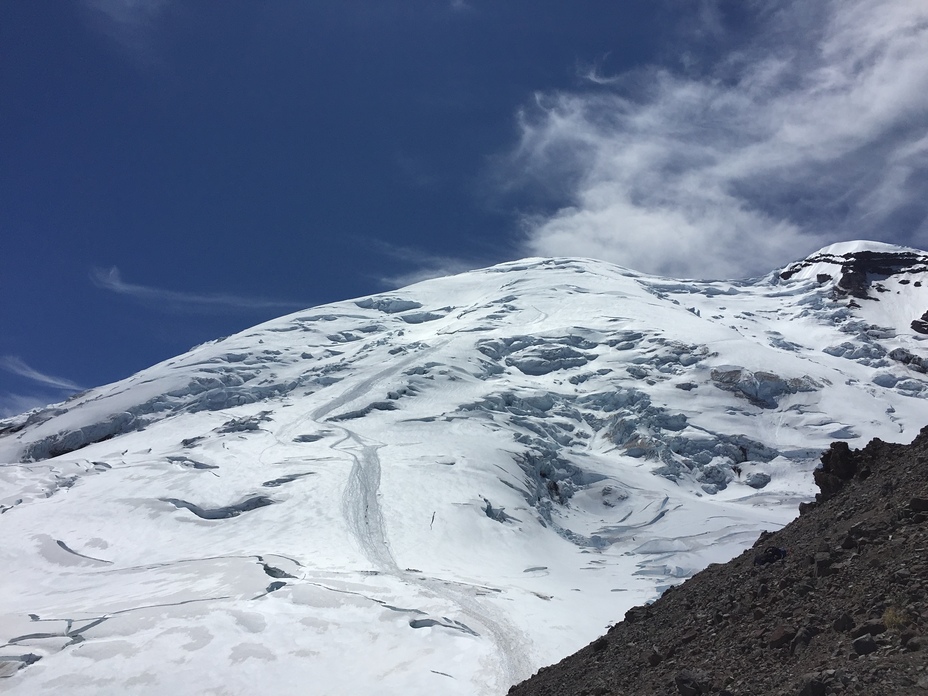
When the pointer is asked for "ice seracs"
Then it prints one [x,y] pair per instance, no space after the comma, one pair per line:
[461,480]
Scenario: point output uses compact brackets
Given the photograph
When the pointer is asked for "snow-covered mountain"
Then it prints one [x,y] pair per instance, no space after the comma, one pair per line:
[442,488]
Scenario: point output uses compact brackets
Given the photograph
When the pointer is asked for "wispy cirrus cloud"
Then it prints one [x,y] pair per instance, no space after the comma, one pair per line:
[815,130]
[177,300]
[16,366]
[418,265]
[45,388]
[129,12]
[14,404]
[131,23]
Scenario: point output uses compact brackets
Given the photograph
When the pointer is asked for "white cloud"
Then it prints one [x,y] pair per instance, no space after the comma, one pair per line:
[111,280]
[818,134]
[17,366]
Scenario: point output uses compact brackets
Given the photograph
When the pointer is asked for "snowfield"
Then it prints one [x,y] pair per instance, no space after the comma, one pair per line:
[443,488]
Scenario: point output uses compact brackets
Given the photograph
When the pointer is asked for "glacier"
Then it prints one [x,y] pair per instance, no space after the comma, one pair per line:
[441,488]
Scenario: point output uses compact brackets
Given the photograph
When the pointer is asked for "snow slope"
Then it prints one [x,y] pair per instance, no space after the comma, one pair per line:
[442,488]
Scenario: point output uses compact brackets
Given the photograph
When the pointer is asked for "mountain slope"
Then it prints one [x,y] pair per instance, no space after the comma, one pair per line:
[460,481]
[845,611]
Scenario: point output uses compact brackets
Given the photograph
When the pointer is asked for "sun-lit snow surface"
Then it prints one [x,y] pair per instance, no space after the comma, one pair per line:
[439,489]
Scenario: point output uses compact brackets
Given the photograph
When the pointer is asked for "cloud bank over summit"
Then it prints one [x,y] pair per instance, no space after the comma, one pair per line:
[808,126]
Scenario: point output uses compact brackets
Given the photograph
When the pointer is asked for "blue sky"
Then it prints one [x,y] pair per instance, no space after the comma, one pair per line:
[171,172]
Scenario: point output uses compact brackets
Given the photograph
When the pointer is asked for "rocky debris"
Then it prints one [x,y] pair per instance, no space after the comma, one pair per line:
[690,682]
[865,644]
[771,554]
[844,611]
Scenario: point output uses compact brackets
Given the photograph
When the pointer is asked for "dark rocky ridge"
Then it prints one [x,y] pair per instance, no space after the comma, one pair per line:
[861,271]
[858,269]
[844,612]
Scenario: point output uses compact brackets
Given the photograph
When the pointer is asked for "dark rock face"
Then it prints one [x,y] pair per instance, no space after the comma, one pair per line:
[845,611]
[859,270]
[839,465]
[920,325]
[865,645]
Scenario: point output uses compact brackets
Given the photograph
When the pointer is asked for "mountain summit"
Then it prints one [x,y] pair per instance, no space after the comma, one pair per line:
[441,488]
